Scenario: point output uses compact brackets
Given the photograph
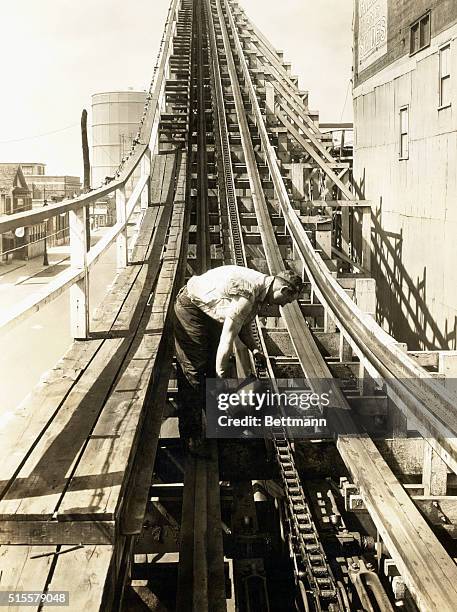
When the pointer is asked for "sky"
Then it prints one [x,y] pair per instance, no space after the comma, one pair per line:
[57,53]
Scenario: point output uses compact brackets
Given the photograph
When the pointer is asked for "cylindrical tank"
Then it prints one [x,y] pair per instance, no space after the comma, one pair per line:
[115,120]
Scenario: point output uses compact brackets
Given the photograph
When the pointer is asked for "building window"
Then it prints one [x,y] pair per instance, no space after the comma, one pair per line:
[445,76]
[420,34]
[404,132]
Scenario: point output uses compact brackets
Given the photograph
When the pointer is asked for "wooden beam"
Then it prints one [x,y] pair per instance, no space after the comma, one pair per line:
[307,132]
[35,492]
[46,532]
[315,155]
[434,476]
[79,292]
[121,217]
[85,573]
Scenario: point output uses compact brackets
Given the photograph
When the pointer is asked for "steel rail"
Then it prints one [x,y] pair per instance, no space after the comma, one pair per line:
[203,245]
[422,398]
[304,539]
[409,539]
[201,583]
[235,231]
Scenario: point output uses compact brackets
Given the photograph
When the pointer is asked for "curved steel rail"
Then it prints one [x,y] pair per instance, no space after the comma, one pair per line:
[410,385]
[401,526]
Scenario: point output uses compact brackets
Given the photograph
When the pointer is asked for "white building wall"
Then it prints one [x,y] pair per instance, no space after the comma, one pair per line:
[414,201]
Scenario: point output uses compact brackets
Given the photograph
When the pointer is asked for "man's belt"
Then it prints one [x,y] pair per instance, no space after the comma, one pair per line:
[184,297]
[183,292]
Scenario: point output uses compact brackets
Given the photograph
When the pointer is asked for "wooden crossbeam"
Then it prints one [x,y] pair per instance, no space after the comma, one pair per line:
[307,131]
[315,155]
[335,203]
[276,64]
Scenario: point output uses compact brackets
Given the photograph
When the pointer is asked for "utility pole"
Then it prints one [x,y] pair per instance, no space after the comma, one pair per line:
[86,165]
[45,253]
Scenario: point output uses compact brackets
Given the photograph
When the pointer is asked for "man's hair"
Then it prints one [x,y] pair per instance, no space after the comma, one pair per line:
[289,278]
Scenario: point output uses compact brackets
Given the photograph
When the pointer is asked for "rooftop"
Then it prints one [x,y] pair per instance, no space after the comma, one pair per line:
[10,176]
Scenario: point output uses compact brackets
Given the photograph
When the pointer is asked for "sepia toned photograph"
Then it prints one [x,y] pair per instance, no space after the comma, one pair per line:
[228,306]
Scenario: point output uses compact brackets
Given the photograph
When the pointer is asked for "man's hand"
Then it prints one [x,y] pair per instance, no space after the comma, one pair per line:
[230,330]
[259,358]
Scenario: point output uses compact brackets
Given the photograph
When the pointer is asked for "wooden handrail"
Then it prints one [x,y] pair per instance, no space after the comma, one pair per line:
[81,261]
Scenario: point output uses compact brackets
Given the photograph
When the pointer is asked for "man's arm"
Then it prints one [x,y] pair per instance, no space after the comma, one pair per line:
[247,338]
[230,330]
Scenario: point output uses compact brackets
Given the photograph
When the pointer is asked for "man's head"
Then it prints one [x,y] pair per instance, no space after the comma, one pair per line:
[285,288]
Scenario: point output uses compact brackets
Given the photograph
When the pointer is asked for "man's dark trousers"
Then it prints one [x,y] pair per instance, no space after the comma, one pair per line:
[196,340]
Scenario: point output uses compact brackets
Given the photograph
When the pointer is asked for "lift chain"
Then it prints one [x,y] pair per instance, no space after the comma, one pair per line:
[304,544]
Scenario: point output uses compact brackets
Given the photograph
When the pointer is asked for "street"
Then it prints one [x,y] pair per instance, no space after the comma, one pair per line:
[32,347]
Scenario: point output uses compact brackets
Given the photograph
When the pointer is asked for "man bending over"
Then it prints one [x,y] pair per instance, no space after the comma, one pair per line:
[210,312]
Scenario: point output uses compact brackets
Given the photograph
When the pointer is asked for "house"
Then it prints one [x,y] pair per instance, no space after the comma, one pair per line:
[15,196]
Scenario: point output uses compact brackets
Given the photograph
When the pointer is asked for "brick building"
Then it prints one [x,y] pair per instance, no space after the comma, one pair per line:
[51,188]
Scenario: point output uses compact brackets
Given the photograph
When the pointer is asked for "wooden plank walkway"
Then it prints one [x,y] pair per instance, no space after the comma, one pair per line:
[70,453]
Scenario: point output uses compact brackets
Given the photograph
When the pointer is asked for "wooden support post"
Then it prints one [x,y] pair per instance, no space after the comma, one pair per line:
[397,423]
[314,179]
[269,98]
[365,295]
[79,292]
[324,239]
[434,475]
[260,78]
[327,188]
[365,298]
[146,171]
[345,352]
[345,233]
[366,238]
[329,323]
[361,379]
[298,180]
[447,365]
[252,58]
[283,147]
[86,166]
[121,241]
